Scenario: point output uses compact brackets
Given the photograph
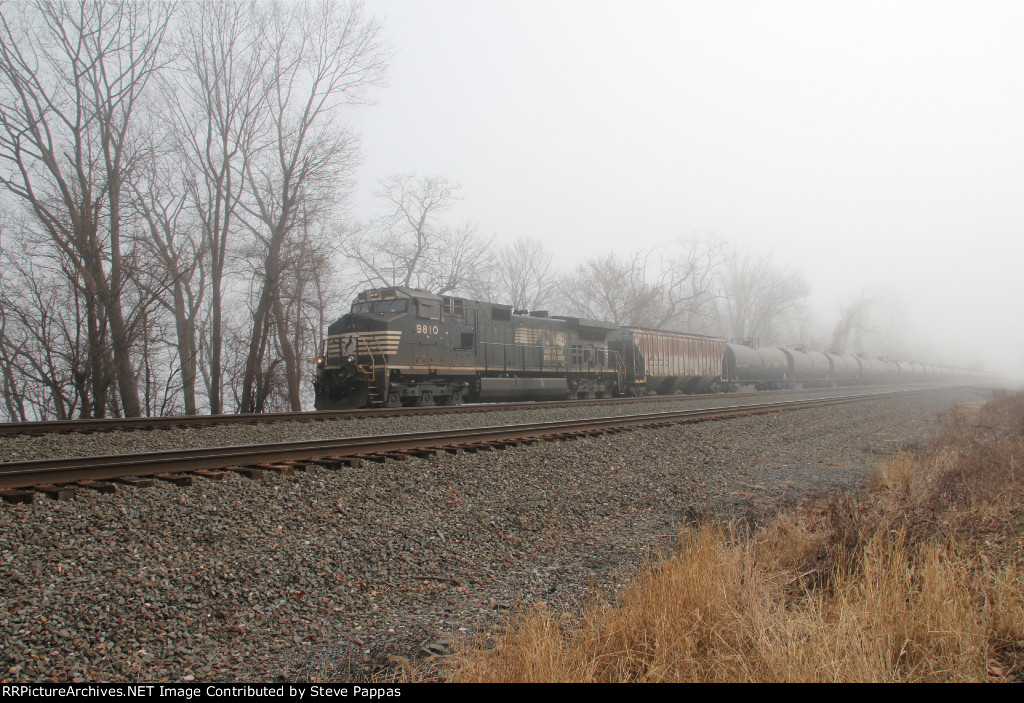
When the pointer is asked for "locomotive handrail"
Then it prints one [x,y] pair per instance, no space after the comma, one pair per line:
[382,390]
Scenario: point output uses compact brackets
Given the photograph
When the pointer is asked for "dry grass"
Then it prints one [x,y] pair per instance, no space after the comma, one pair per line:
[921,580]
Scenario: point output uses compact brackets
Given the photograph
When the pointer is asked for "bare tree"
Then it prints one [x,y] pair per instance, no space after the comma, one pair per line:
[324,56]
[304,295]
[176,277]
[757,296]
[688,278]
[45,349]
[73,76]
[663,288]
[611,289]
[875,323]
[526,277]
[11,382]
[411,246]
[219,111]
[854,321]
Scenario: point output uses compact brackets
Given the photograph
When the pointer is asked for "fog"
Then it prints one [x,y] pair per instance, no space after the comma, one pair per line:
[875,146]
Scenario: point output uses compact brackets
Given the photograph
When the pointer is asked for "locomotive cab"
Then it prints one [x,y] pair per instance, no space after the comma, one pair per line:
[397,346]
[356,343]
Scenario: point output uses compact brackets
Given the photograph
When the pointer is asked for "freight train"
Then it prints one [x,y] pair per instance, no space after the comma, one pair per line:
[400,346]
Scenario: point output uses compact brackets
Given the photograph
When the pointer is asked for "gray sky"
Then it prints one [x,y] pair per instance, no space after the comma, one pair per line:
[875,146]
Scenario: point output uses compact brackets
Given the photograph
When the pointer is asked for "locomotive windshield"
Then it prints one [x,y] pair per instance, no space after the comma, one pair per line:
[382,306]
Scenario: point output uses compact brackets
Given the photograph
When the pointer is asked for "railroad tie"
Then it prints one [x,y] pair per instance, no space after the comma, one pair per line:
[179,480]
[56,492]
[12,495]
[209,475]
[336,462]
[98,486]
[425,453]
[246,471]
[282,469]
[135,481]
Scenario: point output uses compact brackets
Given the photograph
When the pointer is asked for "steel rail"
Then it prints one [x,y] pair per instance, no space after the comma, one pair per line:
[45,427]
[22,474]
[116,424]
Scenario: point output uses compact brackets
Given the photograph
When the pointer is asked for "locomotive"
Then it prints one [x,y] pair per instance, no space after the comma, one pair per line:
[401,346]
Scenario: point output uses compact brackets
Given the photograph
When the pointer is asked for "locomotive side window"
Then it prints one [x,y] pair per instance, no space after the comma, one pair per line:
[382,306]
[391,306]
[454,307]
[467,340]
[430,311]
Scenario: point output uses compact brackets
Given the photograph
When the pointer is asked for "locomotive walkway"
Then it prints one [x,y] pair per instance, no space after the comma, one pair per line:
[20,480]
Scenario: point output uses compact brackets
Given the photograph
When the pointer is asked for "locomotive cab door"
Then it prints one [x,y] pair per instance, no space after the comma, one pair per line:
[430,338]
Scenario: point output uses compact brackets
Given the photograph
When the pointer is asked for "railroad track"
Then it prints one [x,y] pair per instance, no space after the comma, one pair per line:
[21,480]
[45,427]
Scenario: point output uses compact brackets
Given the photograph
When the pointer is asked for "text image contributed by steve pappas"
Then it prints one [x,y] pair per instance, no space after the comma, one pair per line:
[193,692]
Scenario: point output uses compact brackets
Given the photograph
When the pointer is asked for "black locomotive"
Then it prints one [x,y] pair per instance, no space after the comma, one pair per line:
[400,346]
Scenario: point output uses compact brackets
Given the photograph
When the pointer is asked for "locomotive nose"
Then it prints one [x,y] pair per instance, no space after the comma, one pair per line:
[345,365]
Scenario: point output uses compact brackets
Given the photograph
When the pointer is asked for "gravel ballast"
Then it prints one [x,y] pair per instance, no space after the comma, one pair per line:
[21,447]
[327,574]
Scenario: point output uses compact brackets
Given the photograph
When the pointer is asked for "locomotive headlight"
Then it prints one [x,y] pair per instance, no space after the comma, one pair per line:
[319,361]
[350,359]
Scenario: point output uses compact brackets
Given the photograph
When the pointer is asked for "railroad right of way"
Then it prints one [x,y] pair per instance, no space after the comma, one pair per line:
[50,475]
[335,574]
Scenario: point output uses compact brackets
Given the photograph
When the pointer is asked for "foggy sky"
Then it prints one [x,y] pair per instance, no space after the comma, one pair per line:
[875,146]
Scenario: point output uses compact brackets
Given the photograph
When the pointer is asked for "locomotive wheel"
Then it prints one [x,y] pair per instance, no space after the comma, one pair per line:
[426,399]
[393,401]
[456,398]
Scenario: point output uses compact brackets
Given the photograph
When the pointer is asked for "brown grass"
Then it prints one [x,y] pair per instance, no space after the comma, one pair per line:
[921,580]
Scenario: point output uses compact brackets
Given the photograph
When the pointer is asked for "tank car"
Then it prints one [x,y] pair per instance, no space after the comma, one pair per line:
[874,370]
[765,368]
[401,346]
[810,369]
[845,370]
